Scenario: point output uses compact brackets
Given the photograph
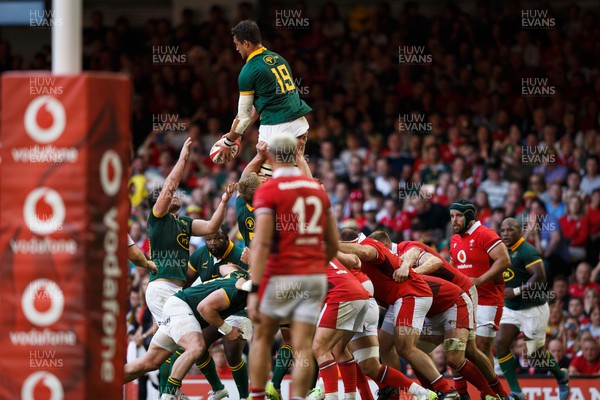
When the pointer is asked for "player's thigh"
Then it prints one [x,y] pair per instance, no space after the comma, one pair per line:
[488,320]
[369,328]
[325,339]
[157,294]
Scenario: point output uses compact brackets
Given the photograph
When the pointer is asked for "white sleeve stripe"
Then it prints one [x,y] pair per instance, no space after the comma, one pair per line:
[262,210]
[494,245]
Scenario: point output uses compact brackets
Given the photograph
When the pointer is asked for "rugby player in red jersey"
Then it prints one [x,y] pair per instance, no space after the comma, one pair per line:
[365,345]
[430,262]
[294,239]
[408,299]
[343,314]
[478,252]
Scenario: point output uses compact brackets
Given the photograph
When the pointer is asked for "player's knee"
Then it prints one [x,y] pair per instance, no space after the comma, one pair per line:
[233,356]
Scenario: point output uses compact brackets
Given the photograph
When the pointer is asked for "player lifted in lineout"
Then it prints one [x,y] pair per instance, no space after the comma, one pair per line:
[266,83]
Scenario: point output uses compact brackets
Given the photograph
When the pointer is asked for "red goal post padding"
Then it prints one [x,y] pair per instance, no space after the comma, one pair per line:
[63,221]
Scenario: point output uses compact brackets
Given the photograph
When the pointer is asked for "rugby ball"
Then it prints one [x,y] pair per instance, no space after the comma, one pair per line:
[217,157]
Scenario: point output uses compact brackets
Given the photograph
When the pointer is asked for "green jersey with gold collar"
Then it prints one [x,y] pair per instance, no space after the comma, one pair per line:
[169,245]
[268,77]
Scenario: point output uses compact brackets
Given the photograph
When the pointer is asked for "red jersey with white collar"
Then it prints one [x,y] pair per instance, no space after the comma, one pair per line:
[381,271]
[342,285]
[471,256]
[299,207]
[446,271]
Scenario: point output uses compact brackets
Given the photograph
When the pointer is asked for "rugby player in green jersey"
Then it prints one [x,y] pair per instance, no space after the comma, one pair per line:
[169,237]
[266,83]
[205,264]
[525,310]
[185,315]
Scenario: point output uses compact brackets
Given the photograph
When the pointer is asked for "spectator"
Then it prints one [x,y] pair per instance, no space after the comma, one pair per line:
[576,310]
[543,232]
[433,217]
[555,322]
[589,362]
[494,186]
[571,336]
[433,167]
[370,209]
[575,228]
[591,179]
[594,326]
[573,187]
[484,211]
[557,349]
[560,292]
[593,213]
[537,185]
[582,280]
[590,300]
[555,206]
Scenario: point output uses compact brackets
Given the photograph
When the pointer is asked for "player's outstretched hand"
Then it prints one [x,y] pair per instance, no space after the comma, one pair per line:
[152,267]
[228,192]
[262,148]
[234,335]
[185,150]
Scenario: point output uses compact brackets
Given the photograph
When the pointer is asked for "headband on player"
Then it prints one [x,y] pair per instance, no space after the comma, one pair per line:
[466,208]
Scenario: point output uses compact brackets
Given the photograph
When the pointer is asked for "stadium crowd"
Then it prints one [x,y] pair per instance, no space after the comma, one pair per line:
[533,157]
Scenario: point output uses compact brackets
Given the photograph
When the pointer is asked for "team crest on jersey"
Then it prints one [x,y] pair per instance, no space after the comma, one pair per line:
[270,60]
[508,275]
[249,222]
[183,240]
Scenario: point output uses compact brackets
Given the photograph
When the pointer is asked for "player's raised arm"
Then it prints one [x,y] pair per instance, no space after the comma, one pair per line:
[161,207]
[202,227]
[259,159]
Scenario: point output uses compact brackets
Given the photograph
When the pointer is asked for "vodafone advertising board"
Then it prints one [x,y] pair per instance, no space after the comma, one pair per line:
[63,225]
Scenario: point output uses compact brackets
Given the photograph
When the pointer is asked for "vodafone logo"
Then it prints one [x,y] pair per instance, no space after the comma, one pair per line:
[462,256]
[40,109]
[111,171]
[43,379]
[44,226]
[42,291]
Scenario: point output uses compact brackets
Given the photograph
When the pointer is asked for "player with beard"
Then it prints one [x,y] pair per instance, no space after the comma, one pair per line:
[204,264]
[408,299]
[525,310]
[430,262]
[478,252]
[169,236]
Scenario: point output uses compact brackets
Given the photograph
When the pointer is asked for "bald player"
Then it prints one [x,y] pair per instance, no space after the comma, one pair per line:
[525,310]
